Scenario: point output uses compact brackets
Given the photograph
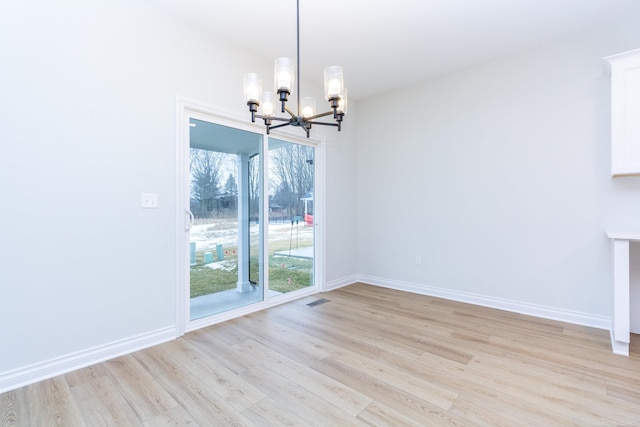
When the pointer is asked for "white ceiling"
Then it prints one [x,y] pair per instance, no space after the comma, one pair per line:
[384,45]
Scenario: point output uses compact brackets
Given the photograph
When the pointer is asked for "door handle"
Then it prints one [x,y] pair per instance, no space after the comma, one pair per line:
[190,223]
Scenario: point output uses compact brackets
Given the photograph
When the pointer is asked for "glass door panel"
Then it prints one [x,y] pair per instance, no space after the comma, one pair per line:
[255,191]
[291,221]
[223,235]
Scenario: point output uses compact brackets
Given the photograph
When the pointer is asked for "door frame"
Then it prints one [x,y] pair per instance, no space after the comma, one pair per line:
[187,109]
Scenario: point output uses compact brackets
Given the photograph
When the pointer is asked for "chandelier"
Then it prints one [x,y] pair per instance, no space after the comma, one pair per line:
[284,77]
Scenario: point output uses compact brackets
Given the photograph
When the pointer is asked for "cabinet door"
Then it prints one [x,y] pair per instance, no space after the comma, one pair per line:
[625,111]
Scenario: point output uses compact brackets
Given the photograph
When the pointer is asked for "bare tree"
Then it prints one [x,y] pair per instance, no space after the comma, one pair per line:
[254,186]
[231,187]
[205,172]
[292,165]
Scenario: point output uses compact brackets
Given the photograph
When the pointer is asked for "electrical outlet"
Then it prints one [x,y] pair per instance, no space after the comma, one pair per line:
[418,259]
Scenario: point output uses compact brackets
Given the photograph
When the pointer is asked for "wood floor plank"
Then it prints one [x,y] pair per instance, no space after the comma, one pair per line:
[416,407]
[48,402]
[12,408]
[222,353]
[337,339]
[293,343]
[434,394]
[410,335]
[270,412]
[101,403]
[177,416]
[627,392]
[371,356]
[148,398]
[336,393]
[506,412]
[236,393]
[477,388]
[406,337]
[549,391]
[379,415]
[196,395]
[581,361]
[341,319]
[311,408]
[87,374]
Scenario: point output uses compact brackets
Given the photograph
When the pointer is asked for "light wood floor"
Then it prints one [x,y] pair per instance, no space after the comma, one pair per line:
[370,356]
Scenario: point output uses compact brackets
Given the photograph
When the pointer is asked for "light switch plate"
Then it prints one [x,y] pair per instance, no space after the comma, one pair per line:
[149,200]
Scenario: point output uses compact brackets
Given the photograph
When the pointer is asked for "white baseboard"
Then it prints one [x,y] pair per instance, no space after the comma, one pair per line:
[575,317]
[43,370]
[619,347]
[336,284]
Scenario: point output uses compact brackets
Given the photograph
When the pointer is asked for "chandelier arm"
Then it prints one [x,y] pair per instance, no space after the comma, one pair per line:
[279,126]
[323,123]
[282,119]
[291,113]
[317,116]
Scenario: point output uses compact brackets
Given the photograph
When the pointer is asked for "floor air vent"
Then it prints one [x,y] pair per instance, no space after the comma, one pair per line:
[317,302]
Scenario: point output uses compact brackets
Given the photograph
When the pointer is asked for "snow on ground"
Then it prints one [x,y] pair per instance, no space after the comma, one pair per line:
[222,265]
[207,236]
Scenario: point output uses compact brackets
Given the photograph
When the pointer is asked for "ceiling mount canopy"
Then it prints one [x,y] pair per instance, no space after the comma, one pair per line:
[284,76]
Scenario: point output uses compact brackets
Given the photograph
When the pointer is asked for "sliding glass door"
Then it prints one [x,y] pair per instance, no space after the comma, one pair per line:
[249,232]
[224,200]
[291,216]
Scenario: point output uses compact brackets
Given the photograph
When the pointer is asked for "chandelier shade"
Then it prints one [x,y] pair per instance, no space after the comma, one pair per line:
[333,82]
[342,103]
[268,104]
[252,87]
[284,78]
[283,75]
[308,107]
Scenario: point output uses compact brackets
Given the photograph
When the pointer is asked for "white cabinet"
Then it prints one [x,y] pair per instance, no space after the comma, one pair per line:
[625,113]
[621,323]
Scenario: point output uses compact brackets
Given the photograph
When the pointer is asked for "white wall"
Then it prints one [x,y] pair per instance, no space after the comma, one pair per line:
[498,177]
[87,124]
[341,201]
